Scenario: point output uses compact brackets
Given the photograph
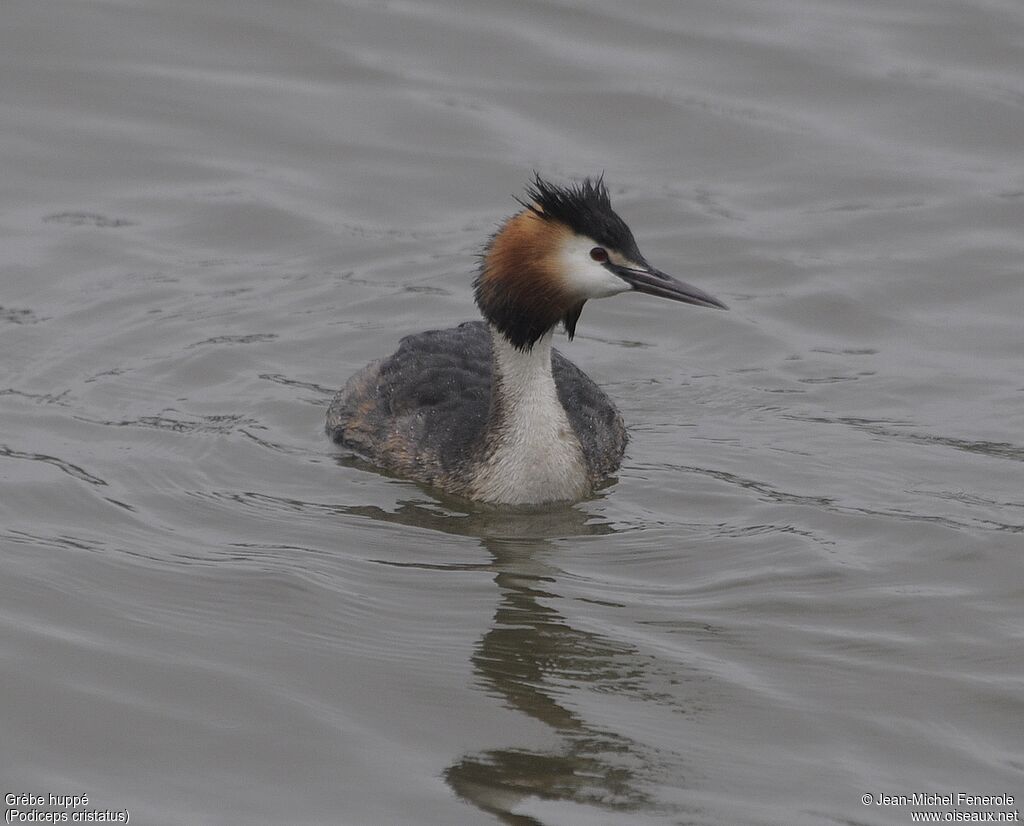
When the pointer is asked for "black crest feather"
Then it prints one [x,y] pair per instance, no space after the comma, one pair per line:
[586,209]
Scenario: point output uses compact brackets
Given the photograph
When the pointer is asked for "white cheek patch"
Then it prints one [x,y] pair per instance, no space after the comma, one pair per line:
[583,275]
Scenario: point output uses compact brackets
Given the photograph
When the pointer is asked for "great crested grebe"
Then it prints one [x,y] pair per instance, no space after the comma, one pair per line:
[488,410]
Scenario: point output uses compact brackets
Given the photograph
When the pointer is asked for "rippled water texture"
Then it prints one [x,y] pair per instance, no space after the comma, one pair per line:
[806,583]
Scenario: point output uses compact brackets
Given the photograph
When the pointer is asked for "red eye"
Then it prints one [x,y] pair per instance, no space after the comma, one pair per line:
[599,254]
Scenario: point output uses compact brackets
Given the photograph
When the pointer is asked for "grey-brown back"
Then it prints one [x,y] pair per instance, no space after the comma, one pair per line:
[422,412]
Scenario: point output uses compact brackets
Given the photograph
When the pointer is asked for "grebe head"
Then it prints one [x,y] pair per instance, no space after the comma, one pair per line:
[567,245]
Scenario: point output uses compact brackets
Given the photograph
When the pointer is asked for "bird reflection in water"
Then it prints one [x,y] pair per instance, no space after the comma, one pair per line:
[531,658]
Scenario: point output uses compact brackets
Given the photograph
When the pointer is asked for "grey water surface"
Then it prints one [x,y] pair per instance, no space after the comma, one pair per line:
[806,584]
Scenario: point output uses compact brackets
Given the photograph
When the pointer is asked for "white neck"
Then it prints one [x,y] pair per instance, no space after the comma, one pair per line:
[533,454]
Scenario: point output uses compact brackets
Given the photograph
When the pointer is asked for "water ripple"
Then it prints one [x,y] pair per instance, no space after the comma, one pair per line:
[69,468]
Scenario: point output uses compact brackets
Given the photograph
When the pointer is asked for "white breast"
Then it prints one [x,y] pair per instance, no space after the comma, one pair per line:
[536,456]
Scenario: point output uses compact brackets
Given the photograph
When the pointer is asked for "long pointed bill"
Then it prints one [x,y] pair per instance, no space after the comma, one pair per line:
[656,282]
